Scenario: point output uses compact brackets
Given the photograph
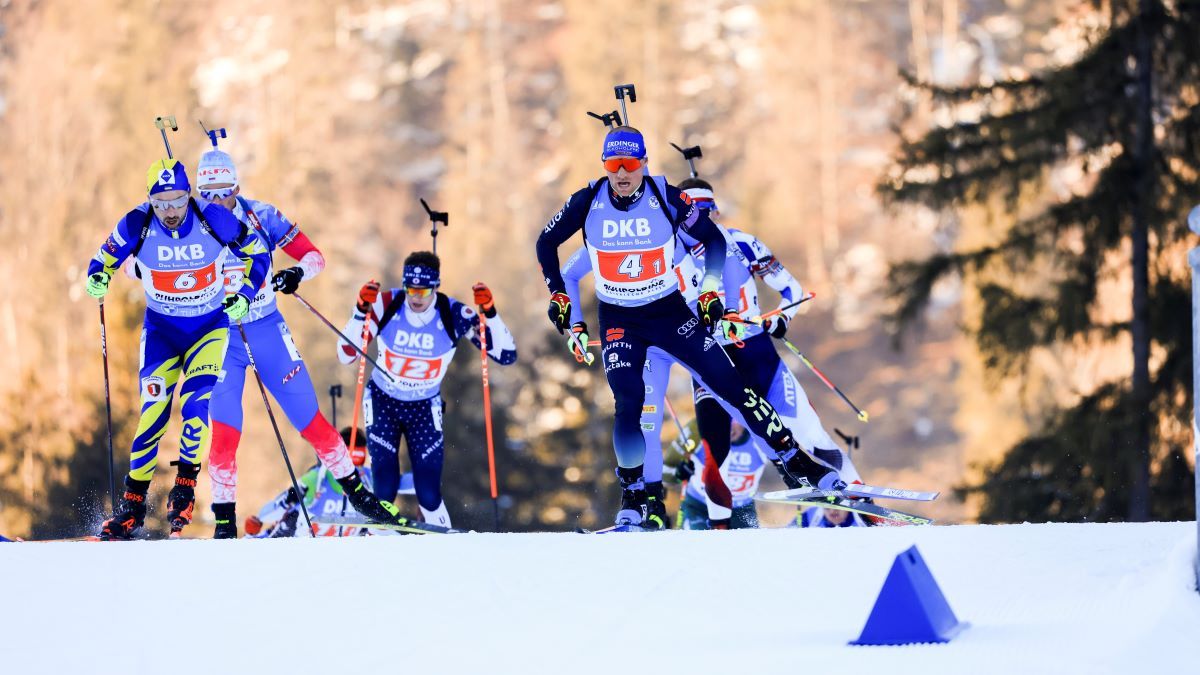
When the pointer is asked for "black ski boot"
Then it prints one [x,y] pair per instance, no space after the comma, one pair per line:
[633,496]
[226,521]
[181,500]
[130,513]
[798,470]
[377,510]
[656,507]
[287,525]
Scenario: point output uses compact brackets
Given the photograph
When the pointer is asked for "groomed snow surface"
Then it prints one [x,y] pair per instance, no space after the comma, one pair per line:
[1058,599]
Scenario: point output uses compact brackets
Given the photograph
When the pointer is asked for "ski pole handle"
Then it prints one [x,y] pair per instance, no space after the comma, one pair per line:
[582,355]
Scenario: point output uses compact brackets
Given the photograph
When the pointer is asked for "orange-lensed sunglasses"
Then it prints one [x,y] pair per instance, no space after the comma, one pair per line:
[415,292]
[630,164]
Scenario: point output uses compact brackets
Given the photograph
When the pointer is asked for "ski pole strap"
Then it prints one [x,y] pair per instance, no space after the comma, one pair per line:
[582,355]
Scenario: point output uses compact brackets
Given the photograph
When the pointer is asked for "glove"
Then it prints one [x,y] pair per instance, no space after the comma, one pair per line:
[710,308]
[732,325]
[287,281]
[367,295]
[253,525]
[776,326]
[577,338]
[483,298]
[685,471]
[560,311]
[97,284]
[236,306]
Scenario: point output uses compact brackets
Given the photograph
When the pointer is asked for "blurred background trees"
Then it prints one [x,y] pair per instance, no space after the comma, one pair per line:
[344,113]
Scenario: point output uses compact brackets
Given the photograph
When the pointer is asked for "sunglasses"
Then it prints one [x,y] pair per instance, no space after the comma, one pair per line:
[217,194]
[164,204]
[414,292]
[630,164]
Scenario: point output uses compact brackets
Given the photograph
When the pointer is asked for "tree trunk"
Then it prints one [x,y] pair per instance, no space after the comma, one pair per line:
[1143,161]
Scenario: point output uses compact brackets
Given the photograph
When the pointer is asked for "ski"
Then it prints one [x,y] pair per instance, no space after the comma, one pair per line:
[857,490]
[624,527]
[409,526]
[842,503]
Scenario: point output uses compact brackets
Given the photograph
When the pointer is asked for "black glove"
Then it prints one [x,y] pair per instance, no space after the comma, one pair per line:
[776,326]
[685,470]
[710,308]
[560,311]
[287,281]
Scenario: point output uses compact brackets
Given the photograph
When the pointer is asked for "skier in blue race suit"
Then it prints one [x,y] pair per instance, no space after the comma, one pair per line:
[278,360]
[179,248]
[630,224]
[418,330]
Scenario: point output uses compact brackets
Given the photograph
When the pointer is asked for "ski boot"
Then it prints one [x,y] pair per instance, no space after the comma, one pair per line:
[287,525]
[798,470]
[226,520]
[656,507]
[633,497]
[376,510]
[181,500]
[130,513]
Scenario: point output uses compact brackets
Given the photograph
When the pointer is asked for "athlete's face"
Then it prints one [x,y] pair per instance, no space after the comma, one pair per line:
[170,207]
[623,181]
[836,516]
[419,299]
[221,193]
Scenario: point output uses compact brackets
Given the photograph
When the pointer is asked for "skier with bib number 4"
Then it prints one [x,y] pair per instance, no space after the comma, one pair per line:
[179,248]
[630,223]
[283,370]
[418,330]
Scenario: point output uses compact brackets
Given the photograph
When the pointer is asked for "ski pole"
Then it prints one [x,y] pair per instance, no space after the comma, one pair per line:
[688,442]
[487,415]
[112,483]
[862,414]
[436,217]
[335,392]
[358,388]
[579,349]
[163,122]
[275,425]
[362,353]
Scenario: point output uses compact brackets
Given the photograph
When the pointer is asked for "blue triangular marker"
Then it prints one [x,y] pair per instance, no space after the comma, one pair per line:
[910,608]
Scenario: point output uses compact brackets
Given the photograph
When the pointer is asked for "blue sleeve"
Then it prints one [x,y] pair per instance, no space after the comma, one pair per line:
[578,266]
[245,244]
[119,244]
[569,220]
[696,224]
[279,229]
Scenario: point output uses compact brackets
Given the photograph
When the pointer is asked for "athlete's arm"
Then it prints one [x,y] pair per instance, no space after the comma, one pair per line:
[287,236]
[569,220]
[502,348]
[696,224]
[117,247]
[765,266]
[354,326]
[576,268]
[245,243]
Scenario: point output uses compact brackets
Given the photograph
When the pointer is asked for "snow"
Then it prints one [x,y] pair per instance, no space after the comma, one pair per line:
[1040,599]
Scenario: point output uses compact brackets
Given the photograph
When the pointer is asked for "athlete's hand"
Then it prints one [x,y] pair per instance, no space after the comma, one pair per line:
[97,285]
[685,470]
[577,340]
[483,298]
[287,281]
[560,311]
[710,308]
[253,525]
[236,306]
[367,295]
[775,326]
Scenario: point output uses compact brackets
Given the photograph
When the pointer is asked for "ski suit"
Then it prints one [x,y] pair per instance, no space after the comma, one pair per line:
[283,371]
[631,242]
[406,403]
[185,330]
[754,356]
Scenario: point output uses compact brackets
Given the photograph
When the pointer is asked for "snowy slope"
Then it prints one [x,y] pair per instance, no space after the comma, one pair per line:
[1040,598]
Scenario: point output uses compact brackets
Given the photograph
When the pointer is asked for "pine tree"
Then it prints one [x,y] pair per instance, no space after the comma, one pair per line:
[1127,114]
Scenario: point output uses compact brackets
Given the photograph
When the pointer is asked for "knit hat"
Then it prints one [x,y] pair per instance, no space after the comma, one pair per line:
[216,168]
[165,175]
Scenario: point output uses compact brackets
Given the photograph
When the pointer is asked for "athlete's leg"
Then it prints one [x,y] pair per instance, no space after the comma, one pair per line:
[226,413]
[201,365]
[798,414]
[381,414]
[624,358]
[426,453]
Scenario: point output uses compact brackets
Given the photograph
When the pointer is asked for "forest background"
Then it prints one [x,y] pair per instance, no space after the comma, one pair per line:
[344,114]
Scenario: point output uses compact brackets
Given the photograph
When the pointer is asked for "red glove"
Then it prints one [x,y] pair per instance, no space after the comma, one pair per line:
[483,298]
[367,295]
[253,525]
